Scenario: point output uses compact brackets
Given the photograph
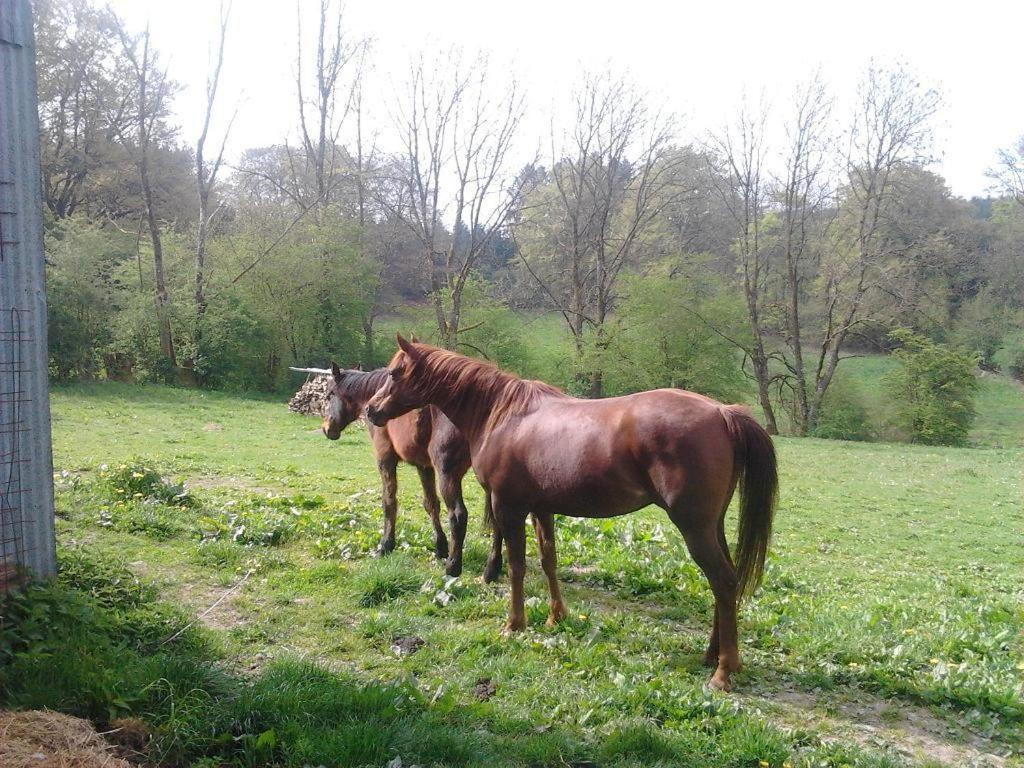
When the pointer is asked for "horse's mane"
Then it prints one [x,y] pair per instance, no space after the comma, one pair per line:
[362,385]
[483,390]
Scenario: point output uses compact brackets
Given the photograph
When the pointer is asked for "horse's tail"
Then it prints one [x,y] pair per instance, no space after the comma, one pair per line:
[757,472]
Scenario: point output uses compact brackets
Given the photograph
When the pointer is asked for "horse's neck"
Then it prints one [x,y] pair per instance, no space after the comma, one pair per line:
[471,411]
[363,386]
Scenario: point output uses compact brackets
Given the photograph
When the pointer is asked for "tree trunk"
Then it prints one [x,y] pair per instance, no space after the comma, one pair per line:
[162,299]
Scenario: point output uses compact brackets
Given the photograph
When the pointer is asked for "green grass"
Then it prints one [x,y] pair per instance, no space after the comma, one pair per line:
[1000,402]
[893,587]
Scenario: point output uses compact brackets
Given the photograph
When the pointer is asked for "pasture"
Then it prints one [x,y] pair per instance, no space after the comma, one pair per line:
[251,625]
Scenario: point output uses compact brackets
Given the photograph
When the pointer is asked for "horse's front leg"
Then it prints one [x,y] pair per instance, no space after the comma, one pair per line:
[513,528]
[433,507]
[388,467]
[451,492]
[544,525]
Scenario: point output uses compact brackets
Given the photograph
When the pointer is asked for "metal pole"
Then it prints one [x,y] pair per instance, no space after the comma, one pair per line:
[27,543]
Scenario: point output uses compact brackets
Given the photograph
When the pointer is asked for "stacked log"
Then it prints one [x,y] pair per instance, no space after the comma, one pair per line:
[311,399]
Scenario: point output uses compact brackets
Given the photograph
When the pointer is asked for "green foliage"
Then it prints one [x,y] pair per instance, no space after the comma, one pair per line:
[844,413]
[1010,354]
[132,480]
[934,390]
[981,326]
[231,350]
[660,338]
[84,292]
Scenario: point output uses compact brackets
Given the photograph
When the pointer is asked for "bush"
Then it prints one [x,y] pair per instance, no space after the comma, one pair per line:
[659,338]
[1010,354]
[844,414]
[134,480]
[933,389]
[982,326]
[83,291]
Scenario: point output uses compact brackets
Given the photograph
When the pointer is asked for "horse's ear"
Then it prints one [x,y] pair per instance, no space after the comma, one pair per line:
[336,372]
[407,347]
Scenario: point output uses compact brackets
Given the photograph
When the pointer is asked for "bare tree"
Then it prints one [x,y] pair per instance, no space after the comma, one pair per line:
[1009,173]
[150,90]
[206,174]
[805,196]
[612,179]
[456,136]
[743,184]
[891,129]
[322,114]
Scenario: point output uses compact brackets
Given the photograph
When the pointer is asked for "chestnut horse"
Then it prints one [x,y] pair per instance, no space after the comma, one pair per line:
[539,452]
[424,438]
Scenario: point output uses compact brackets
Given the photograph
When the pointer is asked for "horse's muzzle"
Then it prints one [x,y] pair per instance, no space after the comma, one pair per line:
[376,418]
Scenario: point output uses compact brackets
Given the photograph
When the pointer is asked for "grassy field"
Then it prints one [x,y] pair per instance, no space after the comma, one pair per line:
[888,630]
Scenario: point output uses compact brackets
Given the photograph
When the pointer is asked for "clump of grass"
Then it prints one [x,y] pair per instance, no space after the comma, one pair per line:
[384,579]
[136,481]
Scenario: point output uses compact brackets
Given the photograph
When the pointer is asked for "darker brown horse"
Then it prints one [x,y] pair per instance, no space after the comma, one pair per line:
[424,438]
[539,452]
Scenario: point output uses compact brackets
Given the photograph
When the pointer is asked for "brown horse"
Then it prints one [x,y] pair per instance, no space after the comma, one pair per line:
[424,438]
[538,451]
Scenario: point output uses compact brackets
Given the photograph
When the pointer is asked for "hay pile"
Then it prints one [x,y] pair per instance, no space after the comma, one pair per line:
[311,397]
[52,740]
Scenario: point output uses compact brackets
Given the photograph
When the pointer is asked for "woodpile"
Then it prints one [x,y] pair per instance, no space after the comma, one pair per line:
[311,399]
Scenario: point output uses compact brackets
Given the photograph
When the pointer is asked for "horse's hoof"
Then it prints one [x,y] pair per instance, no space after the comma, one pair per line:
[441,549]
[513,626]
[384,548]
[558,612]
[720,682]
[453,568]
[492,572]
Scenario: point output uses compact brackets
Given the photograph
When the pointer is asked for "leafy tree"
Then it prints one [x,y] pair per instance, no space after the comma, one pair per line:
[85,291]
[934,389]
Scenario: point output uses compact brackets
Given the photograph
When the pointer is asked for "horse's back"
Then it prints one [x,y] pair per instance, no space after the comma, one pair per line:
[607,457]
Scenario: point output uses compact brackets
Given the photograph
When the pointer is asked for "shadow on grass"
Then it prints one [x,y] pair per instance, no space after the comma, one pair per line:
[96,645]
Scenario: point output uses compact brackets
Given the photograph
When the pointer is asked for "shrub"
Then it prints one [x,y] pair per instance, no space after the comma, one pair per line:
[933,389]
[136,481]
[1010,355]
[844,414]
[659,338]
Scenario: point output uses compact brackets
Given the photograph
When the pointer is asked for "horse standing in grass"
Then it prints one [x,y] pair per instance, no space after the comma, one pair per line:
[424,438]
[539,452]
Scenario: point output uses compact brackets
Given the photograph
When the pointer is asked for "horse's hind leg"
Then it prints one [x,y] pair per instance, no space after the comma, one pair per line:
[493,568]
[388,467]
[702,539]
[433,507]
[544,525]
[711,655]
[451,492]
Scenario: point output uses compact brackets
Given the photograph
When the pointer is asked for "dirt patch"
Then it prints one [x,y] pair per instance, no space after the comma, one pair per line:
[213,426]
[913,731]
[407,645]
[52,740]
[202,601]
[484,688]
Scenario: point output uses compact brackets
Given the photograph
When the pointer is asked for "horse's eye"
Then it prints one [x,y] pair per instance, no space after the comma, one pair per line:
[396,373]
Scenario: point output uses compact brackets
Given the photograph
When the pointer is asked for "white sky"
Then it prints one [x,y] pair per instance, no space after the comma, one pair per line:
[700,58]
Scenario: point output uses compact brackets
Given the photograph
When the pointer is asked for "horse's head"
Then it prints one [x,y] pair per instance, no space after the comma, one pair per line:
[341,409]
[403,390]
